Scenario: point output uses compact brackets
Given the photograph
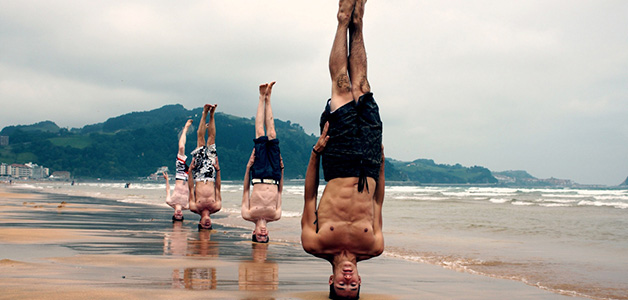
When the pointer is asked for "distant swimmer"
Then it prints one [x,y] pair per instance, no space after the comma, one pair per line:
[204,175]
[264,170]
[180,196]
[346,227]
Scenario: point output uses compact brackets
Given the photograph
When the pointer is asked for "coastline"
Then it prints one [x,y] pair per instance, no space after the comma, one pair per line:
[56,246]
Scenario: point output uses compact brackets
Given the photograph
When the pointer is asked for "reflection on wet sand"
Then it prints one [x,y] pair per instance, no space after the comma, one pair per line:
[199,278]
[203,247]
[178,243]
[258,274]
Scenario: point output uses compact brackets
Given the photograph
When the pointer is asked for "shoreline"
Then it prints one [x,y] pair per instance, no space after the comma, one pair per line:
[105,240]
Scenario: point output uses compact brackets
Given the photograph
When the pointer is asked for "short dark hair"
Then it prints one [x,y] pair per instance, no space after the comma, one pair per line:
[254,239]
[200,227]
[333,296]
[174,219]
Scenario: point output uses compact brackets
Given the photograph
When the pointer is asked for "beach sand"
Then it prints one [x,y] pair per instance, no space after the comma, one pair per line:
[63,247]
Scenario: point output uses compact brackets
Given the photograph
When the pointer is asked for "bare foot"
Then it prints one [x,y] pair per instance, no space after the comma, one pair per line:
[206,108]
[188,123]
[345,11]
[269,89]
[212,108]
[262,88]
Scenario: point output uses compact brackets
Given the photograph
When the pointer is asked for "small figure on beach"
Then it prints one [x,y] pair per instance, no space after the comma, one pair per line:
[180,196]
[264,171]
[346,227]
[204,178]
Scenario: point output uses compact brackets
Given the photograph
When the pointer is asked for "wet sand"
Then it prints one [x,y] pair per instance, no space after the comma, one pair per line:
[63,247]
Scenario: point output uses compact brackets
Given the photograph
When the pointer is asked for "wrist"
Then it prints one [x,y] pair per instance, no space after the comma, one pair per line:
[316,151]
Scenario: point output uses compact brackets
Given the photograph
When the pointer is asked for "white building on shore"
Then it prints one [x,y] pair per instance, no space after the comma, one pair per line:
[26,171]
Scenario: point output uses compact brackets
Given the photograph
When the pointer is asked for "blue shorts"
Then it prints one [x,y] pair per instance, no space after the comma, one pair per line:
[267,164]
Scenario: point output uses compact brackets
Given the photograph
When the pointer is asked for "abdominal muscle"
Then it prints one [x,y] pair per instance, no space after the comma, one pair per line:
[206,196]
[263,201]
[345,216]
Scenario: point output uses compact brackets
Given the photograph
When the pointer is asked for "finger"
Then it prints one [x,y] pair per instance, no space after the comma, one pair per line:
[325,128]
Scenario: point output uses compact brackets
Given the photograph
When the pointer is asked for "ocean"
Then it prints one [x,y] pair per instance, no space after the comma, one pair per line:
[568,241]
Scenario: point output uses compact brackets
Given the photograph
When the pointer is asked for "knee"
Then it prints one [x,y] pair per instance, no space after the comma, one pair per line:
[343,84]
[362,87]
[344,17]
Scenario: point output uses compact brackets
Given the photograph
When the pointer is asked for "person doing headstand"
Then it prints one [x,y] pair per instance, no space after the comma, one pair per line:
[346,227]
[204,178]
[264,170]
[180,196]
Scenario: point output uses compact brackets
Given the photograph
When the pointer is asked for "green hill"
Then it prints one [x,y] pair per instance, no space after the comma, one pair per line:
[426,171]
[137,144]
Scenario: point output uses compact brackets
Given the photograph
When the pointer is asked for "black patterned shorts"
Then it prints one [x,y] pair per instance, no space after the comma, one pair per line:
[204,163]
[354,148]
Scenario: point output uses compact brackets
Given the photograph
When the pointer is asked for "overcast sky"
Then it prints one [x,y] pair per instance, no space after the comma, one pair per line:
[528,85]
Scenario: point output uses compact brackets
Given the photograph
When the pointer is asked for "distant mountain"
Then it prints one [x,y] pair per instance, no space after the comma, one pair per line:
[522,178]
[136,144]
[625,183]
[45,126]
[426,171]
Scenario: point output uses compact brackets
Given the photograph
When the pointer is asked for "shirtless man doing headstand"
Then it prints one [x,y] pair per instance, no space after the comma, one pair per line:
[264,170]
[180,197]
[346,227]
[204,178]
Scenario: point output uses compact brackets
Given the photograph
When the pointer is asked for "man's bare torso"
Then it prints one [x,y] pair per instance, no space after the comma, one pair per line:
[263,202]
[345,218]
[206,197]
[180,194]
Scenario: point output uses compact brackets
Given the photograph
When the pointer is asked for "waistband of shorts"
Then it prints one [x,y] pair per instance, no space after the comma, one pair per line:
[205,180]
[264,180]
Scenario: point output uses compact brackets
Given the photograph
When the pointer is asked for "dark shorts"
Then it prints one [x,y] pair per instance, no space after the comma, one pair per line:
[267,164]
[354,148]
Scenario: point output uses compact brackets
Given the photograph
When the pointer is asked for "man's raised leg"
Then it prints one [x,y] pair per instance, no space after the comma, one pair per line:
[268,113]
[259,117]
[183,138]
[211,126]
[202,127]
[357,58]
[338,61]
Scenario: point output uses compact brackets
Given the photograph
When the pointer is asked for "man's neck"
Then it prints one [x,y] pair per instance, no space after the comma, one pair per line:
[342,257]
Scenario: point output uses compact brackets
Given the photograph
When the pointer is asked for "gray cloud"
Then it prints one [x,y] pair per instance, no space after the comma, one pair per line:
[535,85]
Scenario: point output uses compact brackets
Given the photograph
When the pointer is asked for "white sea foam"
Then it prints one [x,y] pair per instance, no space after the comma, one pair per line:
[499,200]
[522,203]
[553,205]
[621,205]
[554,200]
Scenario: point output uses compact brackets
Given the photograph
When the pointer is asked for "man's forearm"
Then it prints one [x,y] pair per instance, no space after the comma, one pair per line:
[311,177]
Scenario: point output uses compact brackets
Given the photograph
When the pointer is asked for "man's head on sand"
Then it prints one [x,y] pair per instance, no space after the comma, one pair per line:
[260,234]
[178,214]
[345,282]
[205,222]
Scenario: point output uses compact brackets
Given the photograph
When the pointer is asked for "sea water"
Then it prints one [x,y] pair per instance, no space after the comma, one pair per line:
[569,241]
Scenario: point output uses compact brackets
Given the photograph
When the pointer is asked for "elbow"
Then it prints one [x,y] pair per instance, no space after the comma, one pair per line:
[379,250]
[307,246]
